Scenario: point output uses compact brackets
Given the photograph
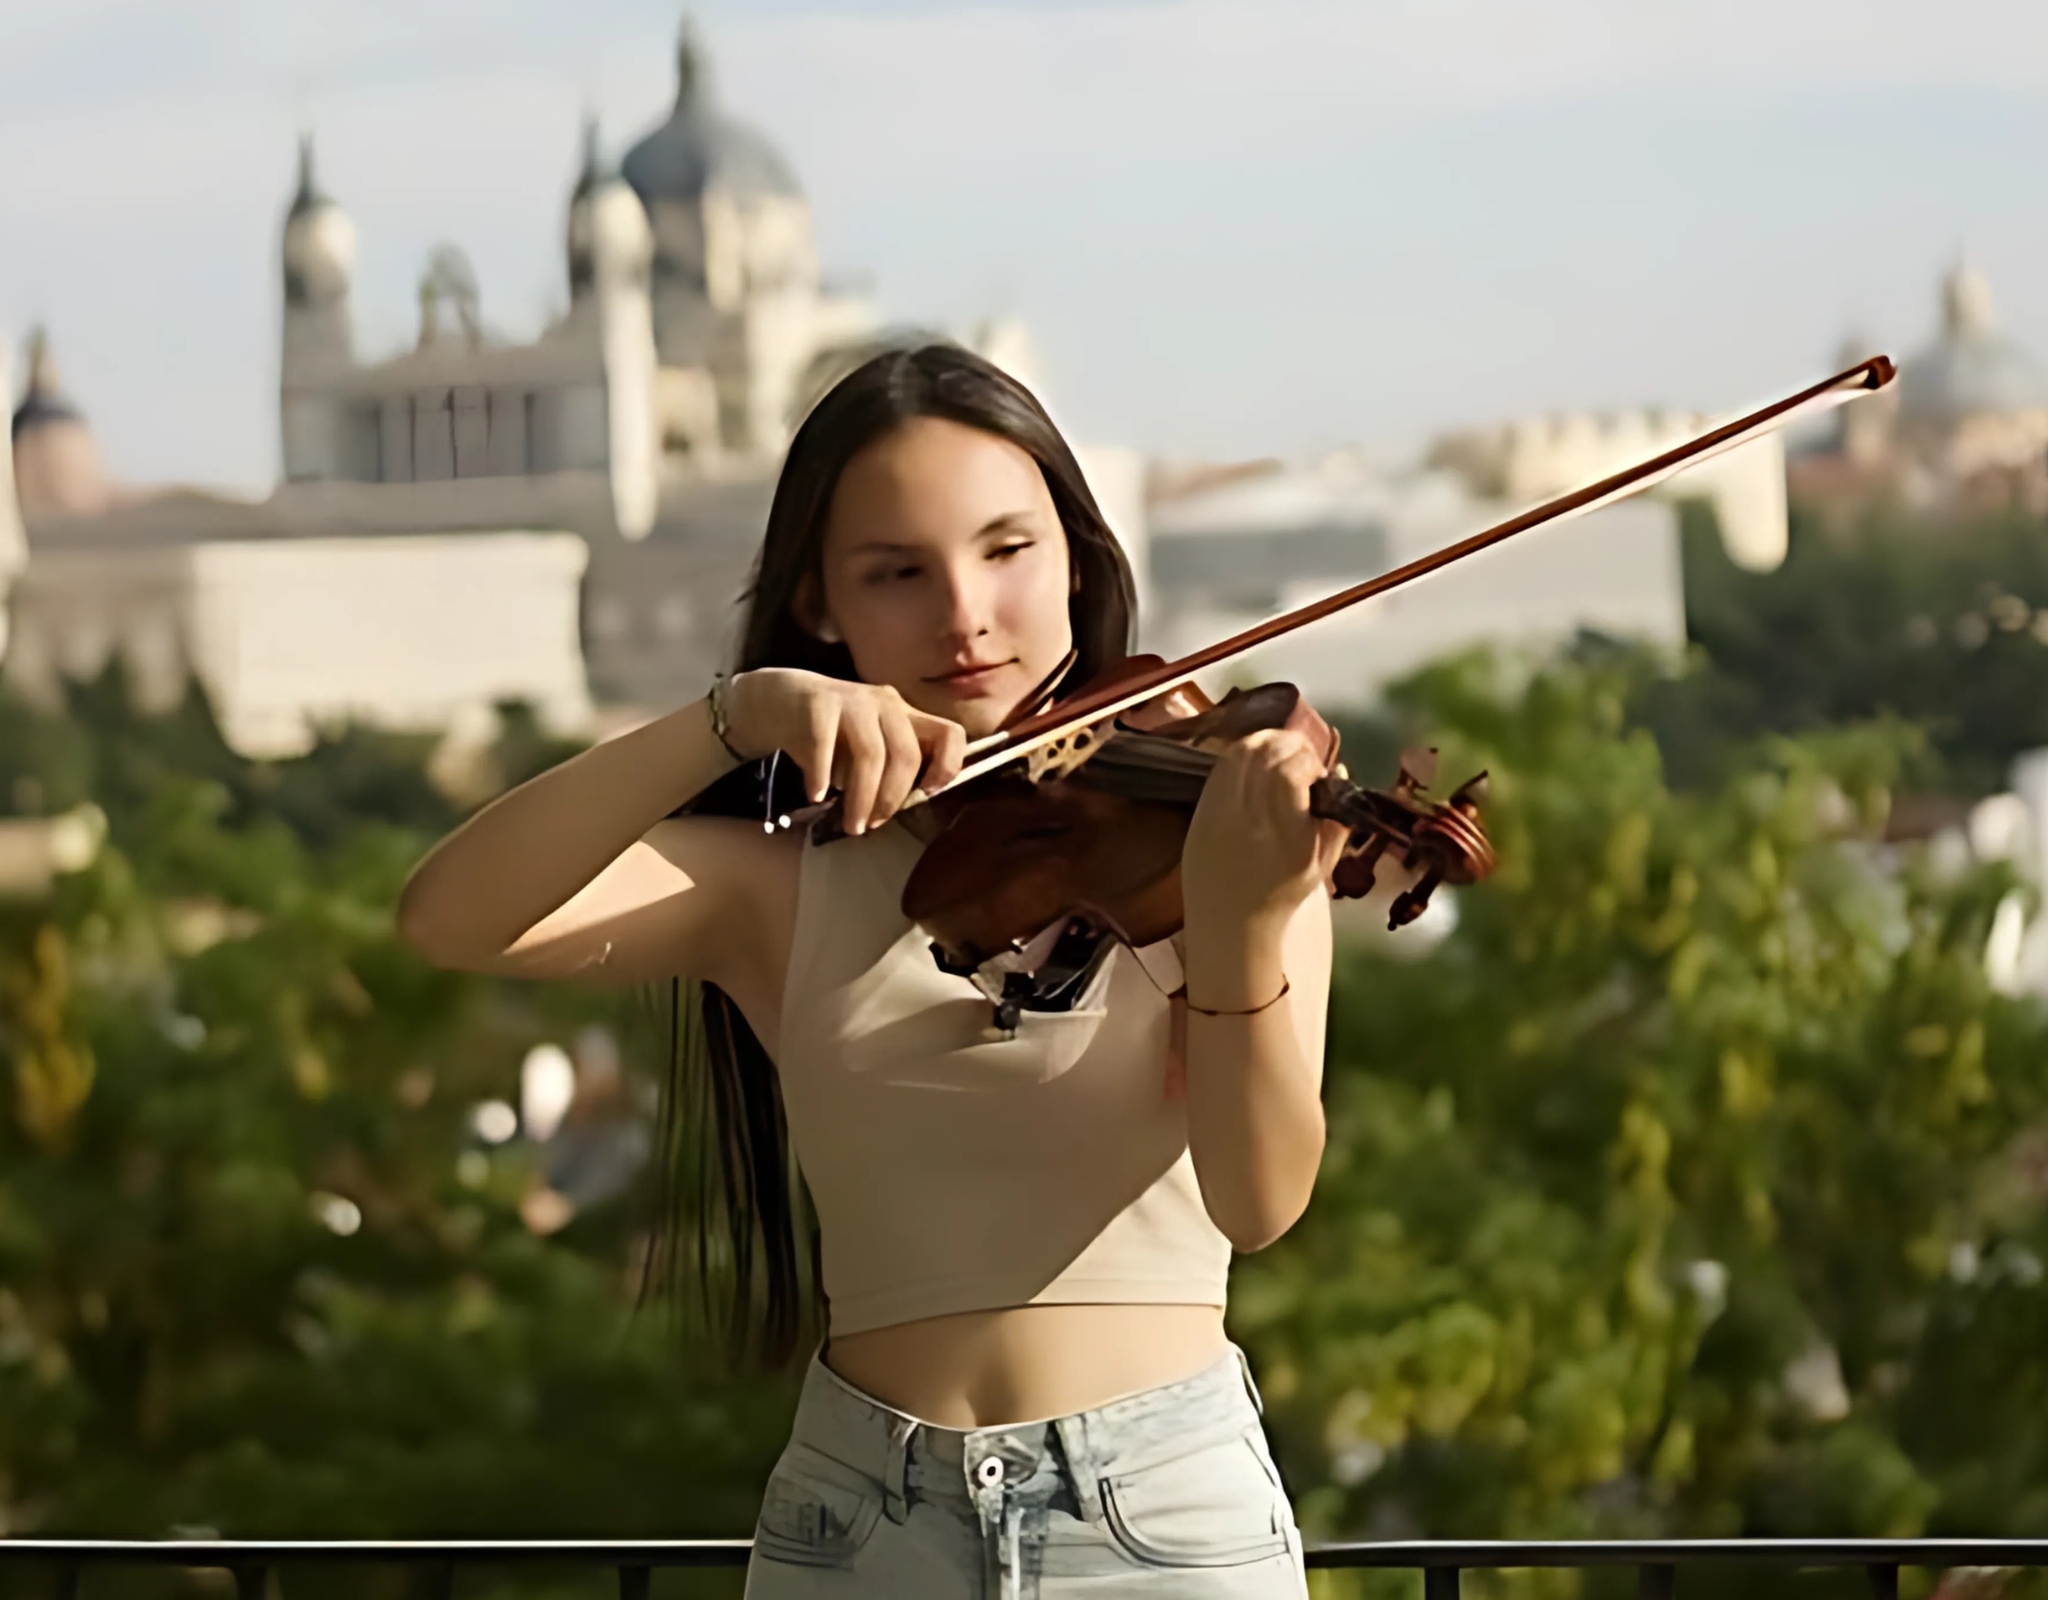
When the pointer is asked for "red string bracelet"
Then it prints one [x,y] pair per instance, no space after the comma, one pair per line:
[1286,983]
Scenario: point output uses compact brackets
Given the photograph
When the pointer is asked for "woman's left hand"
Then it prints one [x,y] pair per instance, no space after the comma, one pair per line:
[1253,852]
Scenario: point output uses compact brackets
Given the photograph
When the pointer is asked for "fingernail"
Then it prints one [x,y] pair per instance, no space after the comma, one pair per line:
[916,797]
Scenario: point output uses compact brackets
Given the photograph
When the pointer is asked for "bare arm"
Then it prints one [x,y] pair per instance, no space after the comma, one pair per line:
[581,870]
[1258,920]
[1254,1082]
[496,894]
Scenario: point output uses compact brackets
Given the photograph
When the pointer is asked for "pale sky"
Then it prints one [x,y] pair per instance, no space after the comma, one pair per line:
[1233,226]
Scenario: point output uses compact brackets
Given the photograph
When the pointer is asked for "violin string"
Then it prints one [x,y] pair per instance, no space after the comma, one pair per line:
[768,794]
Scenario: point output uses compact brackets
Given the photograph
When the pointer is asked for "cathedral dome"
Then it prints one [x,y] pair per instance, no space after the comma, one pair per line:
[1971,369]
[319,240]
[701,148]
[56,464]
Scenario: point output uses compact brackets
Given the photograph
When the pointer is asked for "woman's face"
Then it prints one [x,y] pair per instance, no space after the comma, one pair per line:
[945,571]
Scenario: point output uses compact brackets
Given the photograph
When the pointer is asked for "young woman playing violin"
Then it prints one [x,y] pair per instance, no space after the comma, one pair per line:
[1025,1234]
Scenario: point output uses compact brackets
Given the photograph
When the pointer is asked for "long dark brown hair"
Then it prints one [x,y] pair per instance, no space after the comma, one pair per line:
[731,1203]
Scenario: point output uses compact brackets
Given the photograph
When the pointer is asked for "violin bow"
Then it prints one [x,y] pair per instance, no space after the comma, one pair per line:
[1047,727]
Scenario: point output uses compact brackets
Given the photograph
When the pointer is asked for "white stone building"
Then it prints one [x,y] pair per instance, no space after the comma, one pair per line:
[1537,458]
[697,311]
[567,521]
[1233,546]
[571,520]
[285,624]
[572,411]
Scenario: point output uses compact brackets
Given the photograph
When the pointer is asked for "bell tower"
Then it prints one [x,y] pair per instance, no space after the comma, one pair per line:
[318,345]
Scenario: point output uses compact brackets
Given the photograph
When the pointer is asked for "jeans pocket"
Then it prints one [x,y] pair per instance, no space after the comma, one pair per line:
[815,1512]
[1217,1506]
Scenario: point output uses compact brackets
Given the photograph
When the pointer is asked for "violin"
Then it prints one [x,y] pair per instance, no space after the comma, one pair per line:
[1062,835]
[1035,873]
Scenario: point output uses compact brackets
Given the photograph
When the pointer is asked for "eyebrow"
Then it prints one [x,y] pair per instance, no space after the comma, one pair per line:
[1019,520]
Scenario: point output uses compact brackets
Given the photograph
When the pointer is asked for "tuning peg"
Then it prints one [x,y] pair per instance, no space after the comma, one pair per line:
[1411,902]
[1471,792]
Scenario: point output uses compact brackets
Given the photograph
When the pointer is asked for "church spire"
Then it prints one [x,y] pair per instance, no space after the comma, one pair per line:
[592,172]
[42,399]
[693,66]
[308,194]
[42,366]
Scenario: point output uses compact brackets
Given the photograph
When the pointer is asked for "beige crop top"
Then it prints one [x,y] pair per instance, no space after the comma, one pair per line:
[954,1169]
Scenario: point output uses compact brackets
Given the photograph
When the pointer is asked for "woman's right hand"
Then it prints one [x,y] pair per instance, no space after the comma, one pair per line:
[863,739]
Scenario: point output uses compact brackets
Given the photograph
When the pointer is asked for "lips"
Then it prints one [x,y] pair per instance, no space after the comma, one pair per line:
[969,674]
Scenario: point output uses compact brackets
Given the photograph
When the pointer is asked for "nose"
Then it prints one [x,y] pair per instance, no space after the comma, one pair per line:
[968,602]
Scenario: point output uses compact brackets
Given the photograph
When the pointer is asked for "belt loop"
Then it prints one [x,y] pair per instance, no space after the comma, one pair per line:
[896,1470]
[1077,1460]
[1251,1388]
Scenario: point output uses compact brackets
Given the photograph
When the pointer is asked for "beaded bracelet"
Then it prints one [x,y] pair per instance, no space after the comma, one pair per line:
[721,725]
[1286,983]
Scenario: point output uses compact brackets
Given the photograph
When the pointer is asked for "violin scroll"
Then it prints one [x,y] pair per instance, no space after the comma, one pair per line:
[1445,839]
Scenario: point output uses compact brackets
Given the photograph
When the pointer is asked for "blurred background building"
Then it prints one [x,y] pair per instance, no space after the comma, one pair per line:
[1964,429]
[570,521]
[567,522]
[1232,545]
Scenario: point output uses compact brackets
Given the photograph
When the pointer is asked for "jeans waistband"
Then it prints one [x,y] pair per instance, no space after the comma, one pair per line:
[1126,1434]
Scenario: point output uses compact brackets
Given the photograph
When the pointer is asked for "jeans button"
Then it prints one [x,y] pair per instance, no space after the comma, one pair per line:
[990,1472]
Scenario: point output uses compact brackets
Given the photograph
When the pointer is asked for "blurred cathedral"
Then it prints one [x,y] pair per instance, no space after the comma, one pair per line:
[567,521]
[570,521]
[697,313]
[1964,429]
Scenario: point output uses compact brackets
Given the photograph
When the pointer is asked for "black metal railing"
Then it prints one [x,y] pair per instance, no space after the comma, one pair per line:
[1657,1561]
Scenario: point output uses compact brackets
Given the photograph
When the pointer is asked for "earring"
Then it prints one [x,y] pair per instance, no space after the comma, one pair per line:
[828,631]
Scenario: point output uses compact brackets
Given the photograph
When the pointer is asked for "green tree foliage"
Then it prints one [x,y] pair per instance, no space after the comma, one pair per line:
[1941,625]
[256,1274]
[1694,1185]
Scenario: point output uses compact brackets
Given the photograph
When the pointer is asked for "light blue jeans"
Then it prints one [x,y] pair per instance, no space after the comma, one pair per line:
[1171,1491]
